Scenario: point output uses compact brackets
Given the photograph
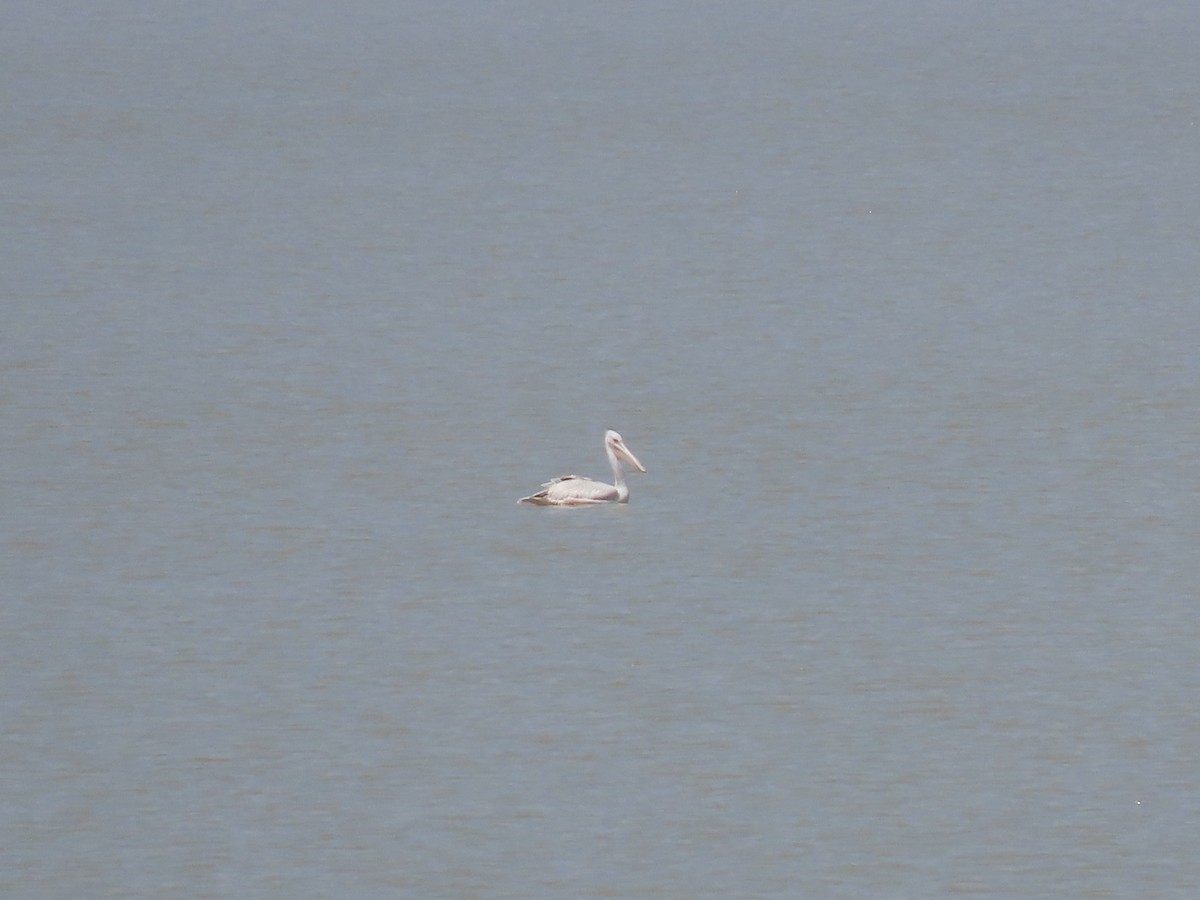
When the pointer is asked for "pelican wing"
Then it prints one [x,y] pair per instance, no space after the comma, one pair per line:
[572,490]
[554,481]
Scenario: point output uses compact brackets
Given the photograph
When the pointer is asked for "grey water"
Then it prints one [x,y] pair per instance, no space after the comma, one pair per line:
[897,303]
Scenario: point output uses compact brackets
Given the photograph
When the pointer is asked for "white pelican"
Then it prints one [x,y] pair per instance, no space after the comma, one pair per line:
[574,490]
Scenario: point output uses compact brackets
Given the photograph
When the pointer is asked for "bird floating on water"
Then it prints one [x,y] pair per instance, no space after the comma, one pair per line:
[574,490]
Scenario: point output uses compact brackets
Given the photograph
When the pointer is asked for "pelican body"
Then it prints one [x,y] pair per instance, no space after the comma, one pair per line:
[574,490]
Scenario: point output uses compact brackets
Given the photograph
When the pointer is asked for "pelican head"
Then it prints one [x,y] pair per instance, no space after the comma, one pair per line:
[617,450]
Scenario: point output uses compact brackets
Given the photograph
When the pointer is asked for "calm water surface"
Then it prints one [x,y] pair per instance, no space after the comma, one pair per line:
[898,308]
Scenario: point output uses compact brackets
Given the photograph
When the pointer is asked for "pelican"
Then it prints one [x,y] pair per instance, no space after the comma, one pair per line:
[574,490]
